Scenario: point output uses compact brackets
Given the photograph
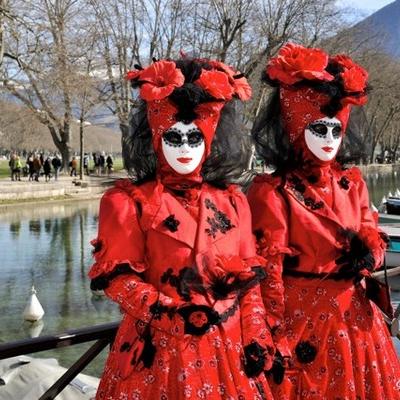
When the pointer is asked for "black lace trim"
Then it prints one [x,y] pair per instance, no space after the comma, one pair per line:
[186,281]
[206,315]
[298,188]
[220,221]
[221,287]
[103,281]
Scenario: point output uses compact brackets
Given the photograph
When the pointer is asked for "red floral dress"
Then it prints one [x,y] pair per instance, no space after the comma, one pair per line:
[339,345]
[182,271]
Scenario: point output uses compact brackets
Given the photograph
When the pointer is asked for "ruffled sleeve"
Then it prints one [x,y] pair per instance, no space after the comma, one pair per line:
[269,217]
[120,239]
[121,243]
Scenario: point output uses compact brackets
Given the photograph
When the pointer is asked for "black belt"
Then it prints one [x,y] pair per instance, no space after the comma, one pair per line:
[336,276]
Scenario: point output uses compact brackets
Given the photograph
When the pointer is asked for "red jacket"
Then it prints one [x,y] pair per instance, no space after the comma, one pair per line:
[176,257]
[296,227]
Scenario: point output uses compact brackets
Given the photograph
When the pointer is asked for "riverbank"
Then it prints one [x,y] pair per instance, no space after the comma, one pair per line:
[379,168]
[66,188]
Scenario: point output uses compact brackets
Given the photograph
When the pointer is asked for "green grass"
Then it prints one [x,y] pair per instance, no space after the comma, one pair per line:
[5,170]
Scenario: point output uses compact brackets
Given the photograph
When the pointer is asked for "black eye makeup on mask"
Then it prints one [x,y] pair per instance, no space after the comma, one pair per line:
[320,128]
[176,138]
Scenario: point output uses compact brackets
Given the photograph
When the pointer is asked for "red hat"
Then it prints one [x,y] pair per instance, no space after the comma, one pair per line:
[215,84]
[314,85]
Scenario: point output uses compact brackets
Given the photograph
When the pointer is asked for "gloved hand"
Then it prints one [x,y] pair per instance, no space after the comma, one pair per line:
[356,256]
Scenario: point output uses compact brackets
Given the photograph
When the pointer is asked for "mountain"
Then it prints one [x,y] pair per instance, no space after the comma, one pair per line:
[382,29]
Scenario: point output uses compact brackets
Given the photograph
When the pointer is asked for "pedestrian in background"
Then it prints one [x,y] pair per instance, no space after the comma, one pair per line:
[47,169]
[11,164]
[56,163]
[110,164]
[37,166]
[17,168]
[73,165]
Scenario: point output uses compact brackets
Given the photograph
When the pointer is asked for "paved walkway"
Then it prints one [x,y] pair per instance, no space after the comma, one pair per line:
[64,187]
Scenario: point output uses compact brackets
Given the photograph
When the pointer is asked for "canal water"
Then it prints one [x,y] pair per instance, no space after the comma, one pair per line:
[48,246]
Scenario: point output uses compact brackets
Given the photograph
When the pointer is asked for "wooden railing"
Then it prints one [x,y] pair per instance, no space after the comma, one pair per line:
[103,335]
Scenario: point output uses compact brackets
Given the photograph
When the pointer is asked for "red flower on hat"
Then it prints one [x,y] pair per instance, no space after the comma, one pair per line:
[354,76]
[216,83]
[295,63]
[133,74]
[161,78]
[241,87]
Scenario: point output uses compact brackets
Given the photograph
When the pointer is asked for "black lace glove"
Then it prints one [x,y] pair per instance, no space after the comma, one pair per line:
[198,318]
[254,359]
[356,257]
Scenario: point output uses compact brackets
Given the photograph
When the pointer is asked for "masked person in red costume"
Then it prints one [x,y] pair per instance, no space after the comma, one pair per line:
[173,247]
[313,224]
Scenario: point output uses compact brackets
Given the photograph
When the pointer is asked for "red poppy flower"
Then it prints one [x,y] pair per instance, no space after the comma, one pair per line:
[241,87]
[295,63]
[354,76]
[133,75]
[161,78]
[216,83]
[354,79]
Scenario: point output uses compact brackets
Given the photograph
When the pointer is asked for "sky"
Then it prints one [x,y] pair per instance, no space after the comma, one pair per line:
[368,6]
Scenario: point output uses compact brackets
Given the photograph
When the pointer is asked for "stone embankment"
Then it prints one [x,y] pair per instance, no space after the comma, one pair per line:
[64,188]
[379,168]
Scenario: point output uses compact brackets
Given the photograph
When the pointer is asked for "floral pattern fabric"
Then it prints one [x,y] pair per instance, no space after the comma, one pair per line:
[337,341]
[181,336]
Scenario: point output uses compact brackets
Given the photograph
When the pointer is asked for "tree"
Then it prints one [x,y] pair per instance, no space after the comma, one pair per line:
[40,73]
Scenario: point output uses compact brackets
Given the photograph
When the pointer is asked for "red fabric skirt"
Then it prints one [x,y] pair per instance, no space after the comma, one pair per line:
[207,367]
[340,344]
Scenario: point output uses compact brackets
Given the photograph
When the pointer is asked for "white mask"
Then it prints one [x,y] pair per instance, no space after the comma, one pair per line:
[323,138]
[183,147]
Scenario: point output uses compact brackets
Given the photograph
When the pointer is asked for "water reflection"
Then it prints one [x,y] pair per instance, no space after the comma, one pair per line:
[15,228]
[48,246]
[380,185]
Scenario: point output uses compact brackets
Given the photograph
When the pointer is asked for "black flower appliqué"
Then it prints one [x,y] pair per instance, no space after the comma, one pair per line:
[305,352]
[188,279]
[220,221]
[198,318]
[314,205]
[171,223]
[344,183]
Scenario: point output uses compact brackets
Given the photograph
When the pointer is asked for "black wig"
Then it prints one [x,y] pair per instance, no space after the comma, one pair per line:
[225,163]
[272,143]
